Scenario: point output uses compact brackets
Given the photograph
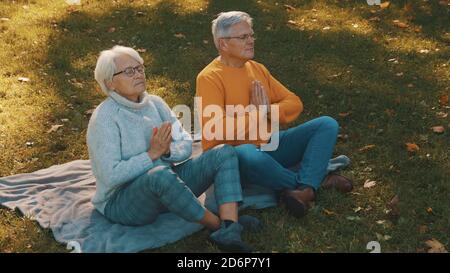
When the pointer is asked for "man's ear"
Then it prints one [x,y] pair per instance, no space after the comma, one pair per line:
[109,84]
[223,45]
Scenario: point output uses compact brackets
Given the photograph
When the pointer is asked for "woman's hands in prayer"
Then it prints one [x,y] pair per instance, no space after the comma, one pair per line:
[160,142]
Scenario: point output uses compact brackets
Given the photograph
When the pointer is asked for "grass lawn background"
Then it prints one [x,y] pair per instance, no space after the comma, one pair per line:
[383,73]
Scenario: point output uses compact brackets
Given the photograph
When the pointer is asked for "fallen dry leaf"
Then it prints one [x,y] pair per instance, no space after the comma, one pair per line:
[179,35]
[292,22]
[385,5]
[443,100]
[55,128]
[430,210]
[111,29]
[381,237]
[367,147]
[369,183]
[4,19]
[76,83]
[400,24]
[438,129]
[328,212]
[435,246]
[289,7]
[390,112]
[357,209]
[443,3]
[442,114]
[412,147]
[23,79]
[423,229]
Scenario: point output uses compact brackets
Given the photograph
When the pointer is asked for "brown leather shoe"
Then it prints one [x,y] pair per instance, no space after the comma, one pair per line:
[337,182]
[298,201]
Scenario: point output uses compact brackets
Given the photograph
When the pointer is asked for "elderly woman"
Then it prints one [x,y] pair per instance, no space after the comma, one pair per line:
[133,148]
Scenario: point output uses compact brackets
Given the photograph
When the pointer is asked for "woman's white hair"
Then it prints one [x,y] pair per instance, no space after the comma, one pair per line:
[106,66]
[222,24]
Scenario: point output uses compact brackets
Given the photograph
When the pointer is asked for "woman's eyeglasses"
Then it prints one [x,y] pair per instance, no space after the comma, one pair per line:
[130,71]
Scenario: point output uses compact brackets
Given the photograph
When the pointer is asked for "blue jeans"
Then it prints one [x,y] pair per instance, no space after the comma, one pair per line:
[310,144]
[176,189]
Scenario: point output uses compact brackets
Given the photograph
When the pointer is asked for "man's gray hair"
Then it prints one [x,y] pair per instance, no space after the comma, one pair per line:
[106,66]
[222,24]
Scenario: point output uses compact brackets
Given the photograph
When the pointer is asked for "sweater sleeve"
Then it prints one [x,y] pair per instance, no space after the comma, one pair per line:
[103,140]
[290,105]
[181,145]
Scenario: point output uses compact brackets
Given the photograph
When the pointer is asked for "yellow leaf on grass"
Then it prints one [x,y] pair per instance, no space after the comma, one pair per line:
[400,24]
[435,246]
[55,128]
[344,114]
[367,147]
[23,79]
[430,210]
[385,4]
[412,147]
[369,183]
[328,212]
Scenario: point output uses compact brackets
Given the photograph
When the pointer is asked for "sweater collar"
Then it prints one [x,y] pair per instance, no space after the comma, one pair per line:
[128,103]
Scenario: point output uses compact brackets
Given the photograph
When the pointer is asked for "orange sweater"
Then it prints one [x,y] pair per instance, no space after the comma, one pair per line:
[218,84]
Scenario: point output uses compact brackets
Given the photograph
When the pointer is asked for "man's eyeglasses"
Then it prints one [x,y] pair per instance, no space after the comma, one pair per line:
[244,37]
[130,71]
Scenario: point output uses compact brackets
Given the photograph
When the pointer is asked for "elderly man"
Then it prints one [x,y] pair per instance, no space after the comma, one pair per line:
[233,78]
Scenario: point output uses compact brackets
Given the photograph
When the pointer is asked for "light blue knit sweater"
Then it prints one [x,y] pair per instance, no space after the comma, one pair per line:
[118,138]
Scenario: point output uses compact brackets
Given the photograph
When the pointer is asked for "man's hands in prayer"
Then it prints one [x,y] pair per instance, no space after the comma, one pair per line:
[259,96]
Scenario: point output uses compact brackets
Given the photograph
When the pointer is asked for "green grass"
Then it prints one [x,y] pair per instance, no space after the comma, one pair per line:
[340,69]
